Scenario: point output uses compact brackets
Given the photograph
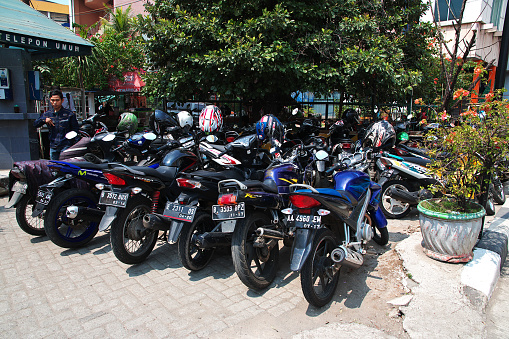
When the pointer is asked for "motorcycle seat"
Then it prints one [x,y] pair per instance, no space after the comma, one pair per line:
[164,173]
[221,175]
[335,193]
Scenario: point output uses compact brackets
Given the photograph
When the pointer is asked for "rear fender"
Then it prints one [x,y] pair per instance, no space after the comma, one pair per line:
[14,200]
[109,216]
[301,248]
[57,183]
[175,229]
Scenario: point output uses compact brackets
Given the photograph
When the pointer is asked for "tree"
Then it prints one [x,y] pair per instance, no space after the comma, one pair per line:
[116,51]
[264,50]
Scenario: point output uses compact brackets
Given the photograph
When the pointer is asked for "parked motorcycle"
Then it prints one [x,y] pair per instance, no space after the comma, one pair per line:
[331,228]
[188,219]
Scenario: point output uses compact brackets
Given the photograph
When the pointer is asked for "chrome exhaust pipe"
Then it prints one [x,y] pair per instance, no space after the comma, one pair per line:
[268,233]
[343,256]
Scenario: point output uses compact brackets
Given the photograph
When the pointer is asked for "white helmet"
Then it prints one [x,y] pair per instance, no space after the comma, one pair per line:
[211,119]
[185,119]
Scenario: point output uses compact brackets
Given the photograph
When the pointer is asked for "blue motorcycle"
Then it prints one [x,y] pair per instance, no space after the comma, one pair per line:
[332,227]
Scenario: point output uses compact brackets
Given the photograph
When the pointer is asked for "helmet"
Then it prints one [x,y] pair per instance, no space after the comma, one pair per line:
[128,122]
[211,119]
[402,136]
[159,121]
[351,117]
[269,127]
[379,135]
[185,119]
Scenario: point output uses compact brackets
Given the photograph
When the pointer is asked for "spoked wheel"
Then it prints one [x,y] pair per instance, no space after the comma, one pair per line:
[391,207]
[191,255]
[130,241]
[66,232]
[255,266]
[29,224]
[318,278]
[497,190]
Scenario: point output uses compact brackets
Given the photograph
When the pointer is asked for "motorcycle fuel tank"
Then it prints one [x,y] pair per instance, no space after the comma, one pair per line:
[282,176]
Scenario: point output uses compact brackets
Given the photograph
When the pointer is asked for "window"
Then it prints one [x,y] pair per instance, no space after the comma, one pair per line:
[444,13]
[495,13]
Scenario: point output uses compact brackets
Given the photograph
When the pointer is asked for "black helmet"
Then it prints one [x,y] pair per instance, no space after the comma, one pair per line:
[379,135]
[159,121]
[350,116]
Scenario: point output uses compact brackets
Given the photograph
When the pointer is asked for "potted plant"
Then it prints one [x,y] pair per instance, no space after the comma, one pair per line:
[466,153]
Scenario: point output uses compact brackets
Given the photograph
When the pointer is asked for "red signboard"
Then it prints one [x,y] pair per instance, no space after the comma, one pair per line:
[131,83]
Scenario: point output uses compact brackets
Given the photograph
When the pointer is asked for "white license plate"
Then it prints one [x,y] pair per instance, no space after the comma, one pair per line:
[113,199]
[224,212]
[19,187]
[305,221]
[179,212]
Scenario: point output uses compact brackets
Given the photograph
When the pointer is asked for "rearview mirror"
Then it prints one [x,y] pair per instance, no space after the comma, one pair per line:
[321,155]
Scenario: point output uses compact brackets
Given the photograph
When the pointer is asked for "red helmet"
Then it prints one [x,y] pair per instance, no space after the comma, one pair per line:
[211,119]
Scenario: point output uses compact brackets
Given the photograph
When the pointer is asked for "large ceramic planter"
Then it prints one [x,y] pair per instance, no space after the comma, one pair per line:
[450,237]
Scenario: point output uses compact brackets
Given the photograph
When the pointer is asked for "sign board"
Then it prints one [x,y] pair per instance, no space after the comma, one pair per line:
[5,81]
[131,82]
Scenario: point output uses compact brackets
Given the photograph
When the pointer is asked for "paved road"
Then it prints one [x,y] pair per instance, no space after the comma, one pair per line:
[50,292]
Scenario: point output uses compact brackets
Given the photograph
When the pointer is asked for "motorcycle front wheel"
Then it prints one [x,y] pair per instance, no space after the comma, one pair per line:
[191,255]
[393,208]
[29,224]
[130,241]
[497,189]
[66,232]
[255,266]
[318,277]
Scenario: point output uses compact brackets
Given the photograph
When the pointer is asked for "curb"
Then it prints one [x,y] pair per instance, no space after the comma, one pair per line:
[479,277]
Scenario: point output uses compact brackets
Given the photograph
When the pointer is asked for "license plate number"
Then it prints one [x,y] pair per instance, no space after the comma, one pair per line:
[43,197]
[19,187]
[179,212]
[305,221]
[113,199]
[224,212]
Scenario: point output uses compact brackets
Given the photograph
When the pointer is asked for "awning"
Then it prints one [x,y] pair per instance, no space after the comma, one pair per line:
[22,26]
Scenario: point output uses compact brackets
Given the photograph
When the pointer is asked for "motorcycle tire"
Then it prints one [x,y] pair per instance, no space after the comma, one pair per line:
[256,267]
[380,235]
[24,208]
[191,256]
[130,241]
[497,190]
[386,204]
[65,232]
[317,277]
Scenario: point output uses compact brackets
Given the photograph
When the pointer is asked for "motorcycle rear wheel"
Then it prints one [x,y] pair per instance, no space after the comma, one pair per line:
[191,256]
[68,233]
[29,224]
[317,277]
[256,267]
[130,241]
[389,208]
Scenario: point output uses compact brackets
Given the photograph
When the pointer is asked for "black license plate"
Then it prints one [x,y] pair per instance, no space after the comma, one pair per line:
[113,199]
[43,197]
[305,221]
[19,187]
[224,212]
[179,212]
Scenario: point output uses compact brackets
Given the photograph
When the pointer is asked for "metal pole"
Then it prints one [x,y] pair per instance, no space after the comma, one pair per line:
[504,54]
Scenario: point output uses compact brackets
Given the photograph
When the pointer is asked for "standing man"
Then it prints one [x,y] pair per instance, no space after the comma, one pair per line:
[60,121]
